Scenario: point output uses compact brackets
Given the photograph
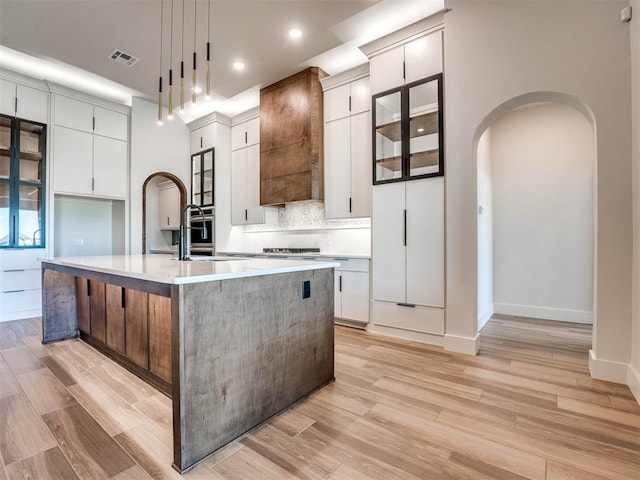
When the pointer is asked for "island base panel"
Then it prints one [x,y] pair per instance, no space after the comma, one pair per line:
[59,309]
[244,350]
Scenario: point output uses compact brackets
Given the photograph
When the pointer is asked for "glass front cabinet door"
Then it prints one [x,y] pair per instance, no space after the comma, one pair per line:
[408,139]
[22,161]
[202,178]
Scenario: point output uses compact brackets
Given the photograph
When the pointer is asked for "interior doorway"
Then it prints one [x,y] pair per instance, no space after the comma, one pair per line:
[164,198]
[536,204]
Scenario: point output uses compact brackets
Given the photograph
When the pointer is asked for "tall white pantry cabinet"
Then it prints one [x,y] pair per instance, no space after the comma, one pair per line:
[408,217]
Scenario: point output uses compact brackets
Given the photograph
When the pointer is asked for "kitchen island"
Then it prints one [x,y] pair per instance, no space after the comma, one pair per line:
[232,341]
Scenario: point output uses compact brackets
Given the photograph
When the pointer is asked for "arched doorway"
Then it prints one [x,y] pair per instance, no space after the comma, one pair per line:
[535,158]
[154,179]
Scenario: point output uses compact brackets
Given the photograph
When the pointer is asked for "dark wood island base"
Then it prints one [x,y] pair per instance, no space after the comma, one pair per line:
[230,353]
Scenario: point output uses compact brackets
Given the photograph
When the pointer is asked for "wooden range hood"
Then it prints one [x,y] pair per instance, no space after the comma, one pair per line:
[291,139]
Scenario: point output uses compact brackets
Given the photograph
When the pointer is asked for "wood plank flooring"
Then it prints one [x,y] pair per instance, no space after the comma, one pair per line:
[524,408]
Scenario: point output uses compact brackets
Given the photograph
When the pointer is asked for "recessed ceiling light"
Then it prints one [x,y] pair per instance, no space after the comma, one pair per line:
[420,130]
[295,33]
[238,66]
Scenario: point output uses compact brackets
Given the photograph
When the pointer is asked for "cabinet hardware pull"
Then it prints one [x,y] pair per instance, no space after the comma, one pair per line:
[246,137]
[404,227]
[88,287]
[123,300]
[349,204]
[246,215]
[404,69]
[93,184]
[410,305]
[340,288]
[94,123]
[349,102]
[168,221]
[13,291]
[15,270]
[16,106]
[200,142]
[15,234]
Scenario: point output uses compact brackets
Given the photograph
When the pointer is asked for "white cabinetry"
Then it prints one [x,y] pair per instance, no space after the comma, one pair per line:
[347,149]
[169,206]
[24,102]
[245,173]
[351,291]
[203,138]
[407,63]
[408,253]
[20,283]
[90,149]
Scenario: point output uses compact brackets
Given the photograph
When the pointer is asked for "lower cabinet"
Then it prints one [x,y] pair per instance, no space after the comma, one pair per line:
[351,292]
[132,325]
[20,283]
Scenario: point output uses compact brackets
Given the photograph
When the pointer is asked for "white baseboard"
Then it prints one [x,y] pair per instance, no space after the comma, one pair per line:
[608,369]
[560,314]
[9,317]
[466,345]
[484,317]
[633,380]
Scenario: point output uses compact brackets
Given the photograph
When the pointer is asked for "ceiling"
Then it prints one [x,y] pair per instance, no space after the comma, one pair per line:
[80,35]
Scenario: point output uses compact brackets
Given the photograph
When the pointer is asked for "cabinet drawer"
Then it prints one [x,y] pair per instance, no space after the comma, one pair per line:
[351,264]
[20,280]
[20,300]
[417,319]
[21,259]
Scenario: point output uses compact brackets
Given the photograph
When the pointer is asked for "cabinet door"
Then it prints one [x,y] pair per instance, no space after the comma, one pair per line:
[160,336]
[203,138]
[111,124]
[253,131]
[423,57]
[336,103]
[83,307]
[32,104]
[169,208]
[73,113]
[98,310]
[389,252]
[115,298]
[136,327]
[361,170]
[72,161]
[386,70]
[255,213]
[360,96]
[239,212]
[337,294]
[425,242]
[109,167]
[337,168]
[355,295]
[7,97]
[238,136]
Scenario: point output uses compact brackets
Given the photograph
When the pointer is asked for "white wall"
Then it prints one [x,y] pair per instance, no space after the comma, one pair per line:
[542,178]
[485,231]
[496,51]
[634,370]
[154,148]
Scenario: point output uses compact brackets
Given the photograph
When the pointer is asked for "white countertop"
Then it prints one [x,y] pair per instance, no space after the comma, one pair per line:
[166,269]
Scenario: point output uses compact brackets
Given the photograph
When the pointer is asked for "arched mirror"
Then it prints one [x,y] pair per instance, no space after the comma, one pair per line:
[164,197]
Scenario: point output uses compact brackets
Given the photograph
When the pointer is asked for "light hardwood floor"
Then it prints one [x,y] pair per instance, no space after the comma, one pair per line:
[525,407]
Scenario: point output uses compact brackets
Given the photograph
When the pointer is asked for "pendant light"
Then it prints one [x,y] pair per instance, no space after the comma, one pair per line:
[207,92]
[182,63]
[194,73]
[160,77]
[170,115]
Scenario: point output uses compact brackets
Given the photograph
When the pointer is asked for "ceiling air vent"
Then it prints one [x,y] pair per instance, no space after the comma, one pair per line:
[123,58]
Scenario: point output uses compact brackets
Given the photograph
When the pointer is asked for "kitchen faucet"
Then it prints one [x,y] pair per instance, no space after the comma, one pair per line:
[184,247]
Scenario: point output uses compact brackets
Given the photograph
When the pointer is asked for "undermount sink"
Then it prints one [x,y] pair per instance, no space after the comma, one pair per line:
[204,258]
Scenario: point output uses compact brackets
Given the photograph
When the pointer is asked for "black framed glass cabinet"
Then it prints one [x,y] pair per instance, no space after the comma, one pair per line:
[408,132]
[22,183]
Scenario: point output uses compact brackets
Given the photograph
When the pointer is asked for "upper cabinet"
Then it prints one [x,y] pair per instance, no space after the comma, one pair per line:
[347,146]
[409,135]
[22,101]
[202,178]
[203,138]
[407,63]
[90,149]
[245,134]
[291,139]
